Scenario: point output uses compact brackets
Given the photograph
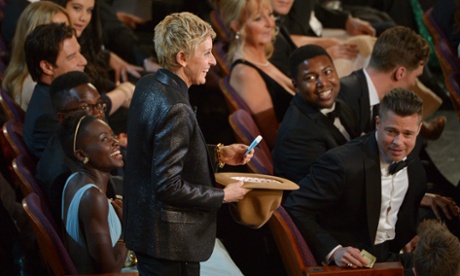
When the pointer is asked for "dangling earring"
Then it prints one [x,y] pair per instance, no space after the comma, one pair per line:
[86,160]
[237,35]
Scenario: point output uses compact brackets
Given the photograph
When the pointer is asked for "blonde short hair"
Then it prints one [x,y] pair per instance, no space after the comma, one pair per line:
[179,32]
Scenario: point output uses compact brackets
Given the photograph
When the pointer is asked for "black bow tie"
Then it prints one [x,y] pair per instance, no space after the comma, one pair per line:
[397,166]
[332,115]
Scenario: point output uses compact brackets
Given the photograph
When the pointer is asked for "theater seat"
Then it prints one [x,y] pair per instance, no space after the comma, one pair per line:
[246,130]
[293,248]
[298,259]
[219,50]
[11,109]
[233,100]
[50,244]
[453,85]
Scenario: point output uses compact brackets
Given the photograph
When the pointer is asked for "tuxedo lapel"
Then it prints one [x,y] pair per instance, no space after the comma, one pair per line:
[347,118]
[354,91]
[364,102]
[319,118]
[373,183]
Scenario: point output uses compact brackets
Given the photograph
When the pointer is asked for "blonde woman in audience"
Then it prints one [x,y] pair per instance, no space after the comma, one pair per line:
[264,88]
[17,81]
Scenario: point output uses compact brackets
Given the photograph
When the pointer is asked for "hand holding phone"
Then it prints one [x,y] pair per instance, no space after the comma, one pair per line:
[253,144]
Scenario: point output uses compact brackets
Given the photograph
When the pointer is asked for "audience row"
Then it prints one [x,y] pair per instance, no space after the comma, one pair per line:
[350,142]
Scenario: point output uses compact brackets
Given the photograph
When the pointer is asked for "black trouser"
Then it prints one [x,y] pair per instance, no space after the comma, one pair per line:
[148,266]
[383,254]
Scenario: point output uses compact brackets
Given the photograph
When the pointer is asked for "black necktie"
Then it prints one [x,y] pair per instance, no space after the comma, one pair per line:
[397,166]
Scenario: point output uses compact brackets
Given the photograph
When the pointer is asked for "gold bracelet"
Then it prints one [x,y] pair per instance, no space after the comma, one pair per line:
[131,259]
[218,152]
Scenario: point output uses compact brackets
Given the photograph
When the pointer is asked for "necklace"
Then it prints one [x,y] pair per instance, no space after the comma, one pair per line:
[242,56]
[261,64]
[265,64]
[252,52]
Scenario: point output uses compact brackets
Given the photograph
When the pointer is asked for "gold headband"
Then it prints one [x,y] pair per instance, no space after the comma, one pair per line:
[76,133]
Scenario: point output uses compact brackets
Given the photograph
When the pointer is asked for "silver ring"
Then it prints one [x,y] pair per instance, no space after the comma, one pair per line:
[349,265]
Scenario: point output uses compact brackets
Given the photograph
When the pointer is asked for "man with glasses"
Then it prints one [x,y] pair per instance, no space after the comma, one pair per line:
[100,107]
[69,93]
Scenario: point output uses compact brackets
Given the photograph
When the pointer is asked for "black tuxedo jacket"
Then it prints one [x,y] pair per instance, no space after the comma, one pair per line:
[355,92]
[304,135]
[338,203]
[41,121]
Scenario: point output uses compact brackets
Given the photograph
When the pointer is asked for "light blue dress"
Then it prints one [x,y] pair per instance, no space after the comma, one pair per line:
[76,244]
[220,263]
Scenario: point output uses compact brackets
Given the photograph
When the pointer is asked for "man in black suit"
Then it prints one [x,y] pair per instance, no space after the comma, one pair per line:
[51,50]
[356,198]
[307,130]
[398,58]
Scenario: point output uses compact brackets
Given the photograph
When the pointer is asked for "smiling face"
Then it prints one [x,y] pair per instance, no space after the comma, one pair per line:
[396,135]
[260,25]
[317,82]
[98,143]
[198,64]
[69,58]
[80,12]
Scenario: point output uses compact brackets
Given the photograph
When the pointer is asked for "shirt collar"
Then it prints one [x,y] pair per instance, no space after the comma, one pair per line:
[373,96]
[327,110]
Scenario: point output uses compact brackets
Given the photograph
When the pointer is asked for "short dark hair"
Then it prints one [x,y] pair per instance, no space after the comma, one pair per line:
[67,131]
[303,53]
[437,251]
[402,102]
[44,43]
[399,46]
[61,86]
